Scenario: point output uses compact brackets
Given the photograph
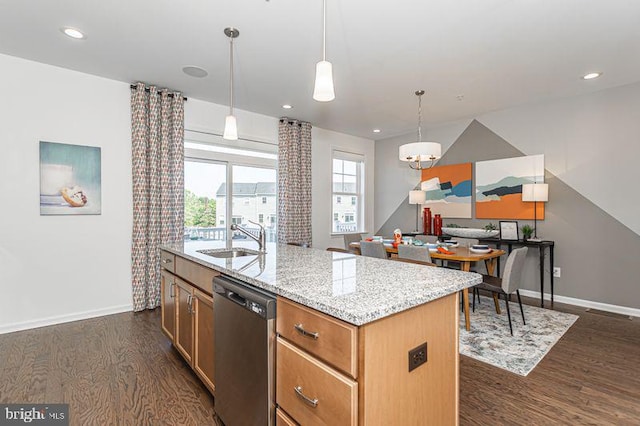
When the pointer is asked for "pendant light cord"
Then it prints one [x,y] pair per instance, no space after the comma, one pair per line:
[419,118]
[231,75]
[324,30]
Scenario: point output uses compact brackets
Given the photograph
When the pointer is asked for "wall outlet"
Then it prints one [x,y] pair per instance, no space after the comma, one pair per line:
[557,272]
[417,356]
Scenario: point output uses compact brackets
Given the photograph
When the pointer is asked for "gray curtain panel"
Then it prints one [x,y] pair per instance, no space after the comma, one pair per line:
[294,182]
[157,137]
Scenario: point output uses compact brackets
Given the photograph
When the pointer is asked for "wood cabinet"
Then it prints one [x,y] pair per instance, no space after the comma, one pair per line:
[203,354]
[187,312]
[168,304]
[184,319]
[316,386]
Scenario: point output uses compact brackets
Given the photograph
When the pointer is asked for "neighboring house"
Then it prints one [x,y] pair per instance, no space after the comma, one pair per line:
[251,201]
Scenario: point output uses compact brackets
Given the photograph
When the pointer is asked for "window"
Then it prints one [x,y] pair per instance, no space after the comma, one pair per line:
[218,171]
[348,181]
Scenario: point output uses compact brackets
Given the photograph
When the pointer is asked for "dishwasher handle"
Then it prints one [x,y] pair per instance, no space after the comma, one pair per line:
[236,298]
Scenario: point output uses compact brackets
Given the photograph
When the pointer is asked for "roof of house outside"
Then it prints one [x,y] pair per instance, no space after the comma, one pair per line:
[248,189]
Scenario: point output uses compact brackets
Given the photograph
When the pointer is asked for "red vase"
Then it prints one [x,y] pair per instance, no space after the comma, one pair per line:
[426,221]
[437,225]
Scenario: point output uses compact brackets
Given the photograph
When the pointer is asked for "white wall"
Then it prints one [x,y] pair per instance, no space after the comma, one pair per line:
[61,268]
[591,142]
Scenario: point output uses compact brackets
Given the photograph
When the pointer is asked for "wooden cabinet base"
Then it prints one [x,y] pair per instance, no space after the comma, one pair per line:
[387,392]
[187,313]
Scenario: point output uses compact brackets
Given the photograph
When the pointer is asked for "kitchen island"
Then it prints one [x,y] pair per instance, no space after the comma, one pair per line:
[360,340]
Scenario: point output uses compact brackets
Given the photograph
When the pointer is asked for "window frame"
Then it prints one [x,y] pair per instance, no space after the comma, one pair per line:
[338,153]
[206,137]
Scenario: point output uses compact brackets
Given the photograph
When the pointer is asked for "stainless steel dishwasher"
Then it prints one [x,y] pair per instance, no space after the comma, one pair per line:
[244,319]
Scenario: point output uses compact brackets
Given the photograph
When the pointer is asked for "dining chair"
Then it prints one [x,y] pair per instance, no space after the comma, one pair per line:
[414,253]
[373,249]
[510,282]
[339,250]
[351,238]
[427,238]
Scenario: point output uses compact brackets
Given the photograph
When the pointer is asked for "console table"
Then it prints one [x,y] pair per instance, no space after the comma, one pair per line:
[541,246]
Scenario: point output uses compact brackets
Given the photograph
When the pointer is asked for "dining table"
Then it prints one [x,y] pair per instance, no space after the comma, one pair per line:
[463,255]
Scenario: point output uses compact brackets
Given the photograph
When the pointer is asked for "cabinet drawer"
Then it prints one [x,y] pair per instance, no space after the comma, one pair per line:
[312,392]
[197,275]
[283,420]
[168,260]
[327,338]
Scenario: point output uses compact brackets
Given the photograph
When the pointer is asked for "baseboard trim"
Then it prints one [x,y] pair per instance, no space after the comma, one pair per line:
[622,310]
[60,319]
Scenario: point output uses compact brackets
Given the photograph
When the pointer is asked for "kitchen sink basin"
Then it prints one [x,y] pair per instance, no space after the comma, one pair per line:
[229,253]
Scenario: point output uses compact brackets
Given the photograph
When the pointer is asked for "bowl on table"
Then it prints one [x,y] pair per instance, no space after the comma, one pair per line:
[432,247]
[480,248]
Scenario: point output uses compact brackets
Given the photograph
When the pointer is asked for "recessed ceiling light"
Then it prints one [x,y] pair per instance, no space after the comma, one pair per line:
[287,106]
[194,71]
[591,75]
[73,33]
[376,130]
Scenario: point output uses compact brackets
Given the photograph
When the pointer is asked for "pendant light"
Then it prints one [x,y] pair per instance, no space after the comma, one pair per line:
[230,125]
[323,89]
[417,152]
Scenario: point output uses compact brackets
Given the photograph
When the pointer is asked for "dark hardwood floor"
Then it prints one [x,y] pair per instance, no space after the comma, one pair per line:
[121,370]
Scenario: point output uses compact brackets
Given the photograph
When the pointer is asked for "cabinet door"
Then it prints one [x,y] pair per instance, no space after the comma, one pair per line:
[168,305]
[184,319]
[203,351]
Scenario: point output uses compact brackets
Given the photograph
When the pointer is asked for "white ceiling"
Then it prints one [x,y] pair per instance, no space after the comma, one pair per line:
[497,53]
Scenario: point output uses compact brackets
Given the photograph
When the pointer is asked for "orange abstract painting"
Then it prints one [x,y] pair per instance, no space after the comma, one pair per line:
[499,187]
[448,190]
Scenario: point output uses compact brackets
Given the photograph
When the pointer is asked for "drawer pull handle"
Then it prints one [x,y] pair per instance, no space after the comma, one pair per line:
[311,402]
[165,261]
[304,332]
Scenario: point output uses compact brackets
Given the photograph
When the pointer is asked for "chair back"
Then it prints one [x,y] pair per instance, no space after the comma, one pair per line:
[512,275]
[466,242]
[351,238]
[427,238]
[414,253]
[373,249]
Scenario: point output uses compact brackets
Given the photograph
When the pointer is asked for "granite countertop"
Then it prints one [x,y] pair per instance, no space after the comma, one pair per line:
[355,289]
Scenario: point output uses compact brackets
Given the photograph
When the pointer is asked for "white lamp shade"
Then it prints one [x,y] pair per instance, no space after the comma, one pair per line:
[230,128]
[323,89]
[426,151]
[417,197]
[535,192]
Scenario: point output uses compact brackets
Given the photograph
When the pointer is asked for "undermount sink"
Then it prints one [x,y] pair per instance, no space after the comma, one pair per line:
[229,253]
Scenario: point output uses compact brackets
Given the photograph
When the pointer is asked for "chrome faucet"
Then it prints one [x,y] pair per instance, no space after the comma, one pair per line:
[261,239]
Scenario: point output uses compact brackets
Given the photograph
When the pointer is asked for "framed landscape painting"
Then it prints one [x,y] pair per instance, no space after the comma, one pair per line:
[499,187]
[448,190]
[70,179]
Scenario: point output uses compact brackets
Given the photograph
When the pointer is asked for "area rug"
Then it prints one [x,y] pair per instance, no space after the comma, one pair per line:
[490,341]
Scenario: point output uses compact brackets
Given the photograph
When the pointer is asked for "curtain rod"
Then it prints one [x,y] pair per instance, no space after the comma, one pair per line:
[292,121]
[239,138]
[146,89]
